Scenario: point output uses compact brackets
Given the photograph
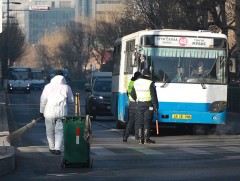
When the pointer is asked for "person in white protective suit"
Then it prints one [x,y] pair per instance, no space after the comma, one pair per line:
[53,106]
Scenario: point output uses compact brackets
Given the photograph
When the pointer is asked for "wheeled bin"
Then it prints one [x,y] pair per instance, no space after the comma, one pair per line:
[77,137]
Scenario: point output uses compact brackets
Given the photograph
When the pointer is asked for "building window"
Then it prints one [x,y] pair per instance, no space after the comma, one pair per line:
[53,4]
[41,3]
[65,4]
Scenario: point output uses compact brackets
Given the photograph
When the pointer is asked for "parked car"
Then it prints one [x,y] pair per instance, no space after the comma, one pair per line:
[98,101]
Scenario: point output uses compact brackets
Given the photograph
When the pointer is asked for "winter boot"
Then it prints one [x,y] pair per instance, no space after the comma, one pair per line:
[141,137]
[147,139]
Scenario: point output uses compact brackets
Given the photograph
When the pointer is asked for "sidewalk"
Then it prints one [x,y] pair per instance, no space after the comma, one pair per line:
[7,152]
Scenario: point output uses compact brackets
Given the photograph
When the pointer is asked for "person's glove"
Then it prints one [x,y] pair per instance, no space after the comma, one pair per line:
[41,115]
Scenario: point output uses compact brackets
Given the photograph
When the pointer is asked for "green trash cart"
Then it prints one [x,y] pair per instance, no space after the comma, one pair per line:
[77,136]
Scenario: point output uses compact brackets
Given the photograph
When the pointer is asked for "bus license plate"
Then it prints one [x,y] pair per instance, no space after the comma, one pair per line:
[182,116]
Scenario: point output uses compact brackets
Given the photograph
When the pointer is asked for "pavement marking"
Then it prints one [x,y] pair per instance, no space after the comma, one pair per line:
[231,148]
[146,151]
[101,151]
[42,149]
[194,151]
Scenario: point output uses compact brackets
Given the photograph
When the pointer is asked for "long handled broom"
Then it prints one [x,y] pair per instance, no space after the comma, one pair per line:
[18,133]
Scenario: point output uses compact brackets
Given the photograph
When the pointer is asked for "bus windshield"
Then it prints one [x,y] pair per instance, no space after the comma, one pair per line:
[191,65]
[37,75]
[19,74]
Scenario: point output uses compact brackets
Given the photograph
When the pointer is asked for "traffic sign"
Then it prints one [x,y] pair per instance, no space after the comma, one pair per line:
[39,8]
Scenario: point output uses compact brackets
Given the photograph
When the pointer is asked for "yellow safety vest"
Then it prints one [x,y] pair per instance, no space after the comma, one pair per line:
[142,88]
[129,90]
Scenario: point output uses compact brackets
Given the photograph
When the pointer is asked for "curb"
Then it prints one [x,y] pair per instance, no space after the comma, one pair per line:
[7,152]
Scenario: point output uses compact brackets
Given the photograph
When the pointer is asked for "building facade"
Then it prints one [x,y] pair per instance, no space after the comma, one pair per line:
[94,8]
[40,22]
[36,22]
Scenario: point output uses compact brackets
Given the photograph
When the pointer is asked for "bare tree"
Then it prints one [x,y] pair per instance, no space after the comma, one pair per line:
[13,45]
[76,49]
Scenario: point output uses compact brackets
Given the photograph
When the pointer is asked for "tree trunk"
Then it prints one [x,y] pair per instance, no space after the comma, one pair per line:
[237,25]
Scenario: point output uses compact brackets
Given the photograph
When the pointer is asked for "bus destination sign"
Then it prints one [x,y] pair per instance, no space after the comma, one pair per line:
[183,41]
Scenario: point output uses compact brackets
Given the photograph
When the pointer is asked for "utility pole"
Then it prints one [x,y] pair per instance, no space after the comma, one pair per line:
[0,16]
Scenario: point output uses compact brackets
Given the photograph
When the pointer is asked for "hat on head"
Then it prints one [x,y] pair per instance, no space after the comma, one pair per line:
[137,74]
[146,72]
[58,72]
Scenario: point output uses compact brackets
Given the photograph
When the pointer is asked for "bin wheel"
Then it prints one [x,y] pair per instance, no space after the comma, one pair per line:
[90,164]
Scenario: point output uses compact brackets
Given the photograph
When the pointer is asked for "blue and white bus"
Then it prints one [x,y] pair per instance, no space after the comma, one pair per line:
[186,93]
[19,79]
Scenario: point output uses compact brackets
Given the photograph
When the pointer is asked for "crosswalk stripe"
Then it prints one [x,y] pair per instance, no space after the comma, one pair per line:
[101,151]
[146,151]
[41,149]
[194,151]
[232,148]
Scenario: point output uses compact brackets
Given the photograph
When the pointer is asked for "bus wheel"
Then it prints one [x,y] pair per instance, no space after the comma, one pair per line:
[199,129]
[212,128]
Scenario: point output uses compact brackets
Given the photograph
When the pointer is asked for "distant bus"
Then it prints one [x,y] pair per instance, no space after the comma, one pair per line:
[19,79]
[65,74]
[172,56]
[38,78]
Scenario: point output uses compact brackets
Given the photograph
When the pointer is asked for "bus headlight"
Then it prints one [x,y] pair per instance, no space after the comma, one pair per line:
[218,106]
[10,86]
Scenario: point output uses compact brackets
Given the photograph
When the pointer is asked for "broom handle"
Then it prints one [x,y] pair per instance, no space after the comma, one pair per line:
[157,128]
[39,118]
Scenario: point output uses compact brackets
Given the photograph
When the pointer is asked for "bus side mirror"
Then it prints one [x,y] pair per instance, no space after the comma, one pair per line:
[232,65]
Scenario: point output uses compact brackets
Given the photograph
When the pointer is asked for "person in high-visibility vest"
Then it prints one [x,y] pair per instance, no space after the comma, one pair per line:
[131,124]
[144,92]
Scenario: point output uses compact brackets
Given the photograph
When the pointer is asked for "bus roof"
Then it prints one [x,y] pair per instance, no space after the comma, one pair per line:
[174,32]
[37,69]
[18,67]
[102,74]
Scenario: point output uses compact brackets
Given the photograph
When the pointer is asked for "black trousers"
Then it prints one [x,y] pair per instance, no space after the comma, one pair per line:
[144,119]
[132,127]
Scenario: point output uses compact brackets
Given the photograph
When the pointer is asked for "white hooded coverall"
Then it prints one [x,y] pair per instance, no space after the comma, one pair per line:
[53,104]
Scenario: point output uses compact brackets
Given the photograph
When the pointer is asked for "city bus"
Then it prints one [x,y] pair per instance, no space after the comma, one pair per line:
[19,79]
[187,94]
[38,78]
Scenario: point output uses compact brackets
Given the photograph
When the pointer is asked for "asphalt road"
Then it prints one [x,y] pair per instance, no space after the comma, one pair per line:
[175,156]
